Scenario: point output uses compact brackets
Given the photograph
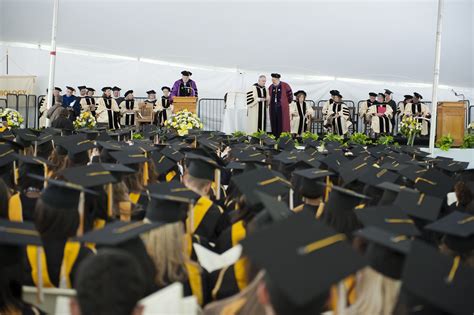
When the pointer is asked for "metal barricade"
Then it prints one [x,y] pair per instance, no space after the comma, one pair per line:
[31,112]
[211,112]
[3,103]
[12,101]
[22,100]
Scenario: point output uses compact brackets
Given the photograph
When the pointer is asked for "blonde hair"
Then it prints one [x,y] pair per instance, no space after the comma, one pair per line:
[376,293]
[165,246]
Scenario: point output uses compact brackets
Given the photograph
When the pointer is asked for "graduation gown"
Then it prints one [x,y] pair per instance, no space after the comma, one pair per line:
[164,109]
[338,125]
[88,104]
[59,261]
[256,110]
[107,112]
[232,279]
[184,89]
[422,111]
[72,103]
[128,109]
[206,218]
[42,113]
[280,98]
[299,114]
[364,107]
[381,124]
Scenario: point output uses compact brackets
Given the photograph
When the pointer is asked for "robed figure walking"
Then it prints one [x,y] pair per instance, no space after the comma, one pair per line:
[280,98]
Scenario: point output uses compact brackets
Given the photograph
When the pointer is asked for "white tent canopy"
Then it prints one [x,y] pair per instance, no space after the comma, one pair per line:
[380,43]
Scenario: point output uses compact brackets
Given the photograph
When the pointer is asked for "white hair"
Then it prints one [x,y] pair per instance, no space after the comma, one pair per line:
[262,76]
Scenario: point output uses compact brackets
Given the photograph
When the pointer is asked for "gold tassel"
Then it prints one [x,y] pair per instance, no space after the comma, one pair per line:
[109,200]
[146,175]
[82,201]
[15,173]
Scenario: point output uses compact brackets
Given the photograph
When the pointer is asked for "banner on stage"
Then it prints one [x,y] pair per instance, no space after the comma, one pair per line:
[17,84]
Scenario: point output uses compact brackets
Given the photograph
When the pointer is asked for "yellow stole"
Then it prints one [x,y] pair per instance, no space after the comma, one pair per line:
[195,281]
[240,266]
[71,252]
[170,176]
[199,211]
[15,210]
[349,285]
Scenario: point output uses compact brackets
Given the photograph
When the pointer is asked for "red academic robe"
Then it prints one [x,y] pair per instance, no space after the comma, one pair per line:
[285,98]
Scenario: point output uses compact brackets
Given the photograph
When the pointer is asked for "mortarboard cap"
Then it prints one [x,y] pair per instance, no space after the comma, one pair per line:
[105,88]
[116,233]
[438,280]
[186,73]
[452,166]
[81,87]
[161,162]
[302,267]
[90,89]
[89,176]
[70,88]
[115,88]
[172,154]
[275,75]
[435,183]
[419,205]
[18,234]
[77,150]
[373,94]
[310,186]
[390,218]
[407,96]
[200,166]
[165,88]
[387,91]
[128,92]
[151,92]
[129,157]
[417,95]
[334,92]
[58,89]
[273,210]
[300,92]
[458,228]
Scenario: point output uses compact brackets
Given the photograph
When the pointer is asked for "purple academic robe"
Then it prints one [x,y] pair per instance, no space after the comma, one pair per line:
[176,90]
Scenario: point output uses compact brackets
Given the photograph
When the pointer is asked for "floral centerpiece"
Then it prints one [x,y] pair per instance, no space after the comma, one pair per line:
[85,120]
[11,118]
[184,121]
[410,127]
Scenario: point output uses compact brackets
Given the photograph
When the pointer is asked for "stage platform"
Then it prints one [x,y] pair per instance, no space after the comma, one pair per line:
[463,155]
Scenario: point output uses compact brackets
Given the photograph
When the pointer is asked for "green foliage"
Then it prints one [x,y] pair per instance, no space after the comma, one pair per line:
[360,138]
[309,136]
[385,140]
[137,136]
[468,142]
[445,142]
[333,137]
[237,134]
[286,134]
[259,134]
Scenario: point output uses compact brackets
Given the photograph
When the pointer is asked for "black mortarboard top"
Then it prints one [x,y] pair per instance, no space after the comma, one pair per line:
[304,266]
[117,170]
[103,136]
[25,136]
[286,143]
[407,96]
[434,182]
[249,156]
[141,145]
[458,228]
[352,170]
[300,92]
[200,166]
[165,88]
[452,166]
[387,91]
[35,160]
[275,75]
[372,94]
[77,150]
[208,144]
[89,176]
[172,154]
[334,162]
[128,92]
[374,176]
[390,192]
[161,162]
[414,151]
[412,172]
[116,233]
[310,186]
[129,157]
[110,145]
[151,92]
[81,87]
[115,88]
[58,89]
[439,280]
[169,202]
[386,251]
[285,158]
[105,88]
[91,134]
[45,140]
[18,234]
[389,218]
[186,73]
[417,95]
[234,165]
[70,88]
[61,194]
[393,166]
[334,92]
[419,205]
[90,89]
[273,210]
[261,179]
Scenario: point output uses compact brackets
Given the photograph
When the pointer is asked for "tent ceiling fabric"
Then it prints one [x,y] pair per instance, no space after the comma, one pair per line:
[377,40]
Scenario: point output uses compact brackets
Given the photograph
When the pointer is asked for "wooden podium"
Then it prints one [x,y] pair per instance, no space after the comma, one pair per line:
[451,119]
[184,102]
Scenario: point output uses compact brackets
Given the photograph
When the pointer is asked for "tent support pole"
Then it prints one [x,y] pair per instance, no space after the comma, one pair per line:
[52,59]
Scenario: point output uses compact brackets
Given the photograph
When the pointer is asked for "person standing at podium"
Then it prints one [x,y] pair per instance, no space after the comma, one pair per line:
[280,98]
[184,86]
[420,111]
[256,106]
